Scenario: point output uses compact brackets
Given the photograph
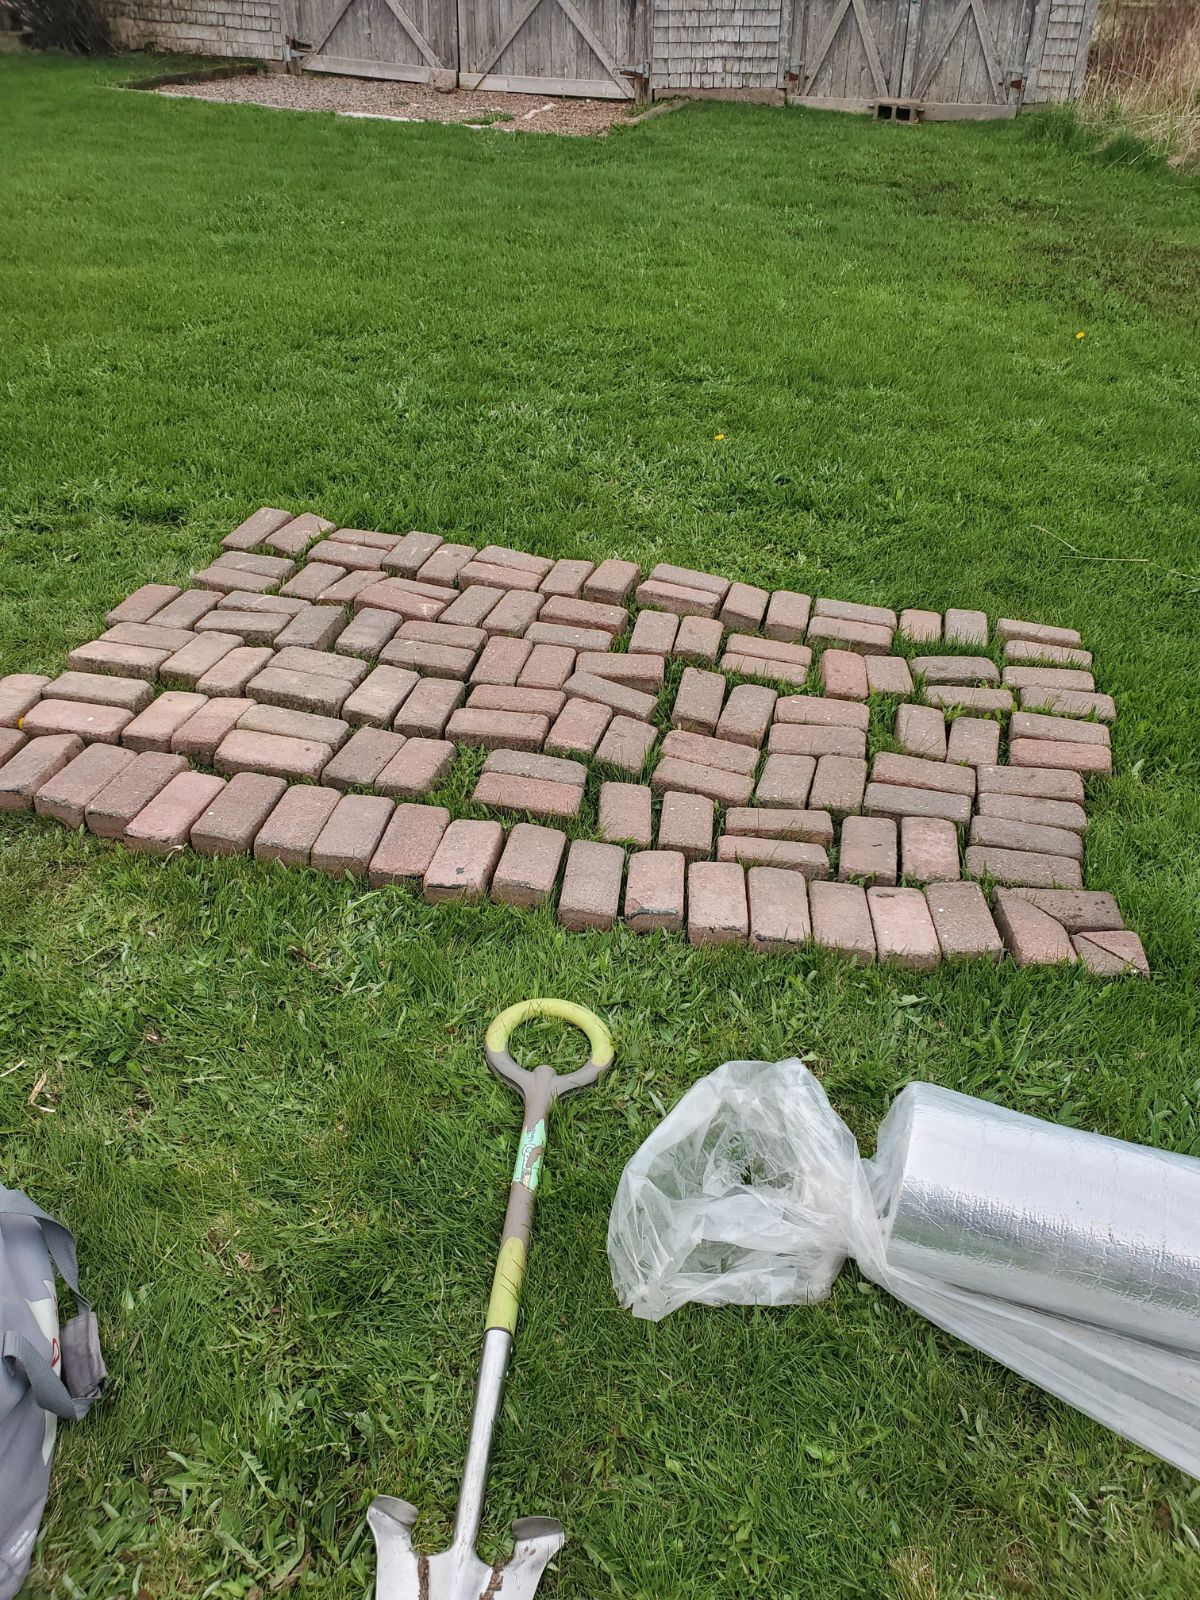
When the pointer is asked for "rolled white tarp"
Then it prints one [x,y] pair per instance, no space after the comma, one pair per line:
[1072,1258]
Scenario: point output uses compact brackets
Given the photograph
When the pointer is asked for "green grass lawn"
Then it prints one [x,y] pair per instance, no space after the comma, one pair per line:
[260,1096]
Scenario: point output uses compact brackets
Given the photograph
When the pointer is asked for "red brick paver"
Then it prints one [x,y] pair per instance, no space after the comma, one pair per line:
[654,891]
[685,824]
[626,744]
[718,911]
[843,675]
[345,845]
[904,931]
[19,692]
[779,916]
[1111,954]
[464,861]
[1032,936]
[1033,868]
[867,852]
[528,869]
[232,821]
[698,701]
[65,794]
[34,764]
[962,922]
[162,826]
[155,727]
[625,814]
[1079,910]
[415,770]
[841,920]
[591,890]
[408,844]
[929,850]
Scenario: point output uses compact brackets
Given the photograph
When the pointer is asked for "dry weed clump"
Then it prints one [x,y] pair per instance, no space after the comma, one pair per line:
[1144,76]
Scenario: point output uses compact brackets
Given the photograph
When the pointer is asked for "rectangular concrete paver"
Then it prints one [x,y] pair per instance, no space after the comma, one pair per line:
[727,788]
[1005,834]
[234,671]
[427,709]
[968,697]
[464,861]
[779,915]
[710,752]
[154,728]
[838,785]
[746,715]
[300,691]
[493,730]
[643,672]
[866,638]
[11,740]
[408,844]
[33,765]
[377,701]
[917,773]
[816,711]
[1030,651]
[889,675]
[808,739]
[1112,954]
[1036,725]
[841,920]
[654,891]
[786,781]
[415,770]
[18,693]
[626,744]
[591,890]
[698,701]
[312,581]
[787,615]
[1085,758]
[624,701]
[548,667]
[130,693]
[929,850]
[1075,678]
[246,751]
[575,613]
[757,850]
[345,845]
[867,851]
[293,826]
[315,628]
[921,731]
[1032,783]
[921,627]
[974,741]
[501,661]
[473,606]
[685,825]
[187,666]
[231,822]
[1042,813]
[904,931]
[113,808]
[901,800]
[65,795]
[684,601]
[143,603]
[123,660]
[843,675]
[368,632]
[528,868]
[364,756]
[567,576]
[654,632]
[1033,868]
[625,814]
[412,552]
[698,640]
[94,724]
[199,736]
[718,911]
[578,728]
[613,581]
[780,822]
[508,792]
[163,825]
[1070,703]
[502,697]
[962,922]
[248,535]
[965,627]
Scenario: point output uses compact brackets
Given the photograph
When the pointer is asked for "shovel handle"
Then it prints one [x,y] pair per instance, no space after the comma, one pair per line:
[539,1089]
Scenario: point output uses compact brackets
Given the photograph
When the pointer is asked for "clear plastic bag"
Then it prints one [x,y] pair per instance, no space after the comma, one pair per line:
[1072,1258]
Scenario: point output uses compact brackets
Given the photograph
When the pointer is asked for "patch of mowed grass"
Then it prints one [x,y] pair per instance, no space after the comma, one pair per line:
[260,1096]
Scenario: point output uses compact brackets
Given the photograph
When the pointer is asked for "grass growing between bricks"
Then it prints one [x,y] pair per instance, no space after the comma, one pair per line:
[259,1095]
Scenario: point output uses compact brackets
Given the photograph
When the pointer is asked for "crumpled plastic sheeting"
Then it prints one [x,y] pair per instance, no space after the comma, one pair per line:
[1071,1258]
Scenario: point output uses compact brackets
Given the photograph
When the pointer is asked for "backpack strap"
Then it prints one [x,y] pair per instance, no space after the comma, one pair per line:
[83,1366]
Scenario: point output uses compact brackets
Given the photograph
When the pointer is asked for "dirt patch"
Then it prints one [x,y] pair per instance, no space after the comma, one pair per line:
[413,102]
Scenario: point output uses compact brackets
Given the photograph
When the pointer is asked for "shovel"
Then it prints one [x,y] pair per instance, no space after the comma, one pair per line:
[458,1573]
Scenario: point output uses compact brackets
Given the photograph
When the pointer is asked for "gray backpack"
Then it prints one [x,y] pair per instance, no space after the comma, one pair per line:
[34,1351]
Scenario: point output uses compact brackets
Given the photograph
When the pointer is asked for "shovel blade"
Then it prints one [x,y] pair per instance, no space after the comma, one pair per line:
[457,1573]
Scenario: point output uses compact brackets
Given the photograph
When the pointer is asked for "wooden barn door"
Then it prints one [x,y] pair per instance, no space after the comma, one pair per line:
[954,57]
[413,40]
[578,47]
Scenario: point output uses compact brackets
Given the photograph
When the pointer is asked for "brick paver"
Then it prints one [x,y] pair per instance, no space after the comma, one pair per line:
[962,922]
[786,781]
[974,741]
[549,666]
[415,770]
[654,632]
[1083,758]
[685,824]
[66,793]
[809,739]
[143,603]
[18,692]
[122,660]
[514,613]
[408,844]
[1022,651]
[315,628]
[921,627]
[274,754]
[1070,678]
[838,785]
[162,826]
[818,712]
[368,631]
[794,854]
[157,725]
[1079,910]
[500,697]
[624,701]
[425,712]
[867,638]
[493,730]
[591,889]
[345,845]
[578,729]
[296,535]
[186,609]
[710,751]
[904,931]
[445,661]
[717,783]
[613,581]
[684,601]
[464,861]
[654,891]
[251,533]
[744,607]
[1042,783]
[11,740]
[788,673]
[363,758]
[94,724]
[780,822]
[779,916]
[506,792]
[231,822]
[843,675]
[929,850]
[528,868]
[567,577]
[918,773]
[747,714]
[698,701]
[1070,703]
[312,581]
[625,814]
[787,615]
[718,910]
[1006,834]
[698,640]
[1031,725]
[473,606]
[1042,813]
[377,701]
[410,555]
[235,671]
[889,675]
[965,627]
[626,744]
[921,731]
[642,671]
[868,850]
[585,614]
[1034,868]
[902,800]
[187,666]
[965,697]
[841,920]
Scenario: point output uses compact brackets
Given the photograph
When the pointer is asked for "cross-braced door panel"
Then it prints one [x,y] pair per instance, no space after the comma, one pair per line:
[549,46]
[849,51]
[970,52]
[413,40]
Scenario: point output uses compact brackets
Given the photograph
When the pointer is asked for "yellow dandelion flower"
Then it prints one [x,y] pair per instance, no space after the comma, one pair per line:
[1082,334]
[718,435]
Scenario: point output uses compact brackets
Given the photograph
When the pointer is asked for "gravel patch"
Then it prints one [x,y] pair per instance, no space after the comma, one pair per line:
[411,102]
